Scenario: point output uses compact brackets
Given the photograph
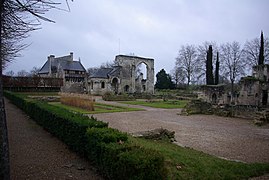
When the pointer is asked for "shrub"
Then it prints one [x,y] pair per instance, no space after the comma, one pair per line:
[108,148]
[118,158]
[112,97]
[67,126]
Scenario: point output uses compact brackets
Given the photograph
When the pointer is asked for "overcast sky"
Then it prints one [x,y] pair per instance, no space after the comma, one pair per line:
[98,30]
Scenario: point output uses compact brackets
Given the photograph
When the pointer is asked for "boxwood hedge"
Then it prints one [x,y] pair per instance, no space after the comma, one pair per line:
[67,126]
[109,149]
[118,158]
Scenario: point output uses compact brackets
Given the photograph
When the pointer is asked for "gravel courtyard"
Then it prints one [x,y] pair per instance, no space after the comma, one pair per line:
[230,138]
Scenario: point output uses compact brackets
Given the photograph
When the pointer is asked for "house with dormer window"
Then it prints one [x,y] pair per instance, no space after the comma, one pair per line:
[64,67]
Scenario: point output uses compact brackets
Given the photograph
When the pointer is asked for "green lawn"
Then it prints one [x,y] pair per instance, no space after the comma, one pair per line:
[98,108]
[171,104]
[186,163]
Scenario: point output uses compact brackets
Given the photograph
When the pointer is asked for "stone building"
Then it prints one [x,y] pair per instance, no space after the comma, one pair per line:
[73,72]
[253,90]
[214,94]
[122,78]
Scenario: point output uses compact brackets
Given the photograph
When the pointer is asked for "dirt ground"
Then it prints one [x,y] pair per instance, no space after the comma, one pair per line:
[229,138]
[35,154]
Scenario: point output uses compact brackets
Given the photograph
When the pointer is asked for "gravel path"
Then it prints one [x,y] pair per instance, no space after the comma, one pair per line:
[35,154]
[231,138]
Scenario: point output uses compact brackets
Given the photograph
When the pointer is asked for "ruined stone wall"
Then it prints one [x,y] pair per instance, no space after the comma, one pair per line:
[99,86]
[261,72]
[250,93]
[128,75]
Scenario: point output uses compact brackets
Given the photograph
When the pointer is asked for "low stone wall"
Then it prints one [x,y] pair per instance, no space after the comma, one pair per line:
[201,107]
[73,87]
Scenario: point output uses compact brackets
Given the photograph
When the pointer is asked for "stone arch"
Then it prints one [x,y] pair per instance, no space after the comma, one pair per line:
[126,88]
[115,85]
[130,63]
[214,98]
[142,69]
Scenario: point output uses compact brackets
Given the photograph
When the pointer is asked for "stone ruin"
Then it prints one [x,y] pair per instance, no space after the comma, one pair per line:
[249,100]
[253,90]
[122,78]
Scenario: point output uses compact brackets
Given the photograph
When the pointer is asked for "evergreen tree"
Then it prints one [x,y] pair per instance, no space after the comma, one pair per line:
[209,66]
[261,53]
[217,70]
[164,81]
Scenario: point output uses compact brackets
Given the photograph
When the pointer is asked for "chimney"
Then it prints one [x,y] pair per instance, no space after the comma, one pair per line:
[50,59]
[71,56]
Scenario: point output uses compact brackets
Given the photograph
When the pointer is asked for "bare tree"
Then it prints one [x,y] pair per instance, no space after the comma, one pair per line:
[178,76]
[17,19]
[202,54]
[232,62]
[251,51]
[92,70]
[22,73]
[188,63]
[34,71]
[108,64]
[10,73]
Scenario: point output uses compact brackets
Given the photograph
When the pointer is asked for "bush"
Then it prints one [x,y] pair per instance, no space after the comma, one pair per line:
[109,149]
[118,158]
[67,126]
[123,97]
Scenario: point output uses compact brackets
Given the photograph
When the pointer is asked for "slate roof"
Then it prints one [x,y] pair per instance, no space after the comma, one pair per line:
[64,62]
[106,72]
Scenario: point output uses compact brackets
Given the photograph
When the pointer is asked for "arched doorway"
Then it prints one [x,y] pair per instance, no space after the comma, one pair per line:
[142,70]
[126,88]
[264,97]
[214,98]
[115,85]
[141,77]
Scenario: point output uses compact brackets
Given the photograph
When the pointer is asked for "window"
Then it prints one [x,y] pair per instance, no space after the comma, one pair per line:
[126,88]
[103,85]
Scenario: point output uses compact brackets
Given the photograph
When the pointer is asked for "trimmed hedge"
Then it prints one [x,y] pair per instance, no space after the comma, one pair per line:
[109,149]
[120,159]
[67,126]
[119,97]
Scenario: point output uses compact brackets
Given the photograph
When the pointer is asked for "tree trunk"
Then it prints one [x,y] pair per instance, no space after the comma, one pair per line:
[4,152]
[232,92]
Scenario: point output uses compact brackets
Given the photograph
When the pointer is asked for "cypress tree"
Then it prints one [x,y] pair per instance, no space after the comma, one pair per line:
[261,53]
[217,70]
[209,66]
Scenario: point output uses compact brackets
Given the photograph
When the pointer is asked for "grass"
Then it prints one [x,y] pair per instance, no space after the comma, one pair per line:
[160,104]
[98,108]
[186,163]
